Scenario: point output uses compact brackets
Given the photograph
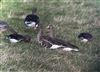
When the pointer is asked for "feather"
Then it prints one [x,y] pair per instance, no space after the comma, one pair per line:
[13,40]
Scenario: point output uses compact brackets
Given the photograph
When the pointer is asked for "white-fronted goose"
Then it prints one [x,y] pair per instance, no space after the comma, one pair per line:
[54,43]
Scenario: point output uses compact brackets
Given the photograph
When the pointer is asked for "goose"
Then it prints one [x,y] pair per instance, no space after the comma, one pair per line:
[85,37]
[52,42]
[15,38]
[4,27]
[32,20]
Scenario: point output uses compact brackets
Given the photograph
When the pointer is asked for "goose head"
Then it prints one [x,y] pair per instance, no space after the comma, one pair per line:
[49,27]
[50,30]
[41,35]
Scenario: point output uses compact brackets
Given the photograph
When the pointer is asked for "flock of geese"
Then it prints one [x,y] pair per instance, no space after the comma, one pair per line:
[47,41]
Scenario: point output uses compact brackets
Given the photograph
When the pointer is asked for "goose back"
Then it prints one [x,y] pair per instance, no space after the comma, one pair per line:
[59,42]
[85,37]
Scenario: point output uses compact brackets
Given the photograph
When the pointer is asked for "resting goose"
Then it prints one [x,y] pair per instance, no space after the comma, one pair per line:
[14,38]
[4,27]
[32,20]
[54,43]
[85,37]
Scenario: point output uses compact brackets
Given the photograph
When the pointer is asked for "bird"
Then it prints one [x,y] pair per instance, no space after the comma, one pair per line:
[15,38]
[5,27]
[85,37]
[32,20]
[52,42]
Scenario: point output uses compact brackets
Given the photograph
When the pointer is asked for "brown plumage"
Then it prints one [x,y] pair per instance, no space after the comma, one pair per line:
[54,43]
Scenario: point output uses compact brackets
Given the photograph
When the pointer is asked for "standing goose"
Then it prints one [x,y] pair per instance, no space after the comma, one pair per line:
[32,20]
[14,38]
[85,37]
[54,43]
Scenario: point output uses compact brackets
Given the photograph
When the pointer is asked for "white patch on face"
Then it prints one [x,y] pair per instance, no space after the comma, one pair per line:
[13,41]
[55,46]
[84,40]
[70,49]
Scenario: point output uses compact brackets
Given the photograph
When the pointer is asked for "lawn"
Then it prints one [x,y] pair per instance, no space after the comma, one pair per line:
[69,18]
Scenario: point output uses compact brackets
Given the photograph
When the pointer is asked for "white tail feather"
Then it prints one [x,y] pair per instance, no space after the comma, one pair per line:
[70,49]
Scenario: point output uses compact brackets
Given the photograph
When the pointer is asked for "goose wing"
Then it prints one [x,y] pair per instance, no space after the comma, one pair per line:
[16,36]
[85,35]
[32,18]
[59,42]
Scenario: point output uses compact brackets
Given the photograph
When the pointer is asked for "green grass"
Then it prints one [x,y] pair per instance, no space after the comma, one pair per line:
[69,18]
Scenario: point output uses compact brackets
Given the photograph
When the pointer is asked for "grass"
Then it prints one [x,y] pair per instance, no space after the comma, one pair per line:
[69,17]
